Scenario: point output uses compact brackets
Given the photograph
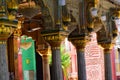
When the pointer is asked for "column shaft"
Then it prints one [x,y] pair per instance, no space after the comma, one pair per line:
[108,68]
[79,43]
[81,65]
[107,60]
[56,65]
[4,74]
[46,70]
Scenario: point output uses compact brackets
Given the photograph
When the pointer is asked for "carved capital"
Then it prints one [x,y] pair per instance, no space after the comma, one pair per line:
[107,47]
[5,32]
[107,51]
[79,43]
[43,50]
[55,38]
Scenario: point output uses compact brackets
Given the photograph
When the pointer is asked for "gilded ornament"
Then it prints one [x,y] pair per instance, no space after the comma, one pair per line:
[54,38]
[107,46]
[2,42]
[44,52]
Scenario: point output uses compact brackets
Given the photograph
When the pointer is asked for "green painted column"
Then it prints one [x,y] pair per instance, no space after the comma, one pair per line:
[28,58]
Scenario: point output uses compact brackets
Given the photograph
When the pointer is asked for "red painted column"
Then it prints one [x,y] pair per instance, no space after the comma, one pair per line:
[113,64]
[20,71]
[73,66]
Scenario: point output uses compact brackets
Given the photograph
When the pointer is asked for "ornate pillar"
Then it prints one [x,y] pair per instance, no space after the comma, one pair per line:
[5,60]
[13,46]
[79,43]
[107,60]
[54,38]
[4,73]
[45,58]
[16,43]
[7,25]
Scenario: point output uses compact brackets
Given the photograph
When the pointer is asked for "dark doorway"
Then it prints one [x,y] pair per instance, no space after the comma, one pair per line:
[39,68]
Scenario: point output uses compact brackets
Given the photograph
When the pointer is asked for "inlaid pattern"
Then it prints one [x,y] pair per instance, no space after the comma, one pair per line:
[94,60]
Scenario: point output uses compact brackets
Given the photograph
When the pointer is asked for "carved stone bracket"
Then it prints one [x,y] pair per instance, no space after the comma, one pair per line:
[44,52]
[79,42]
[107,47]
[54,38]
[5,32]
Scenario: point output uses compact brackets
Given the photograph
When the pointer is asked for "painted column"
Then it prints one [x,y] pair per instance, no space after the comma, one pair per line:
[79,43]
[113,64]
[4,74]
[81,65]
[45,59]
[57,73]
[107,60]
[13,46]
[16,43]
[73,68]
[54,38]
[20,70]
[5,32]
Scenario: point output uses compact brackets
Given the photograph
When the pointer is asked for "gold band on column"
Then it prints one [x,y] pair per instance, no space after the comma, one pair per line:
[79,43]
[107,47]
